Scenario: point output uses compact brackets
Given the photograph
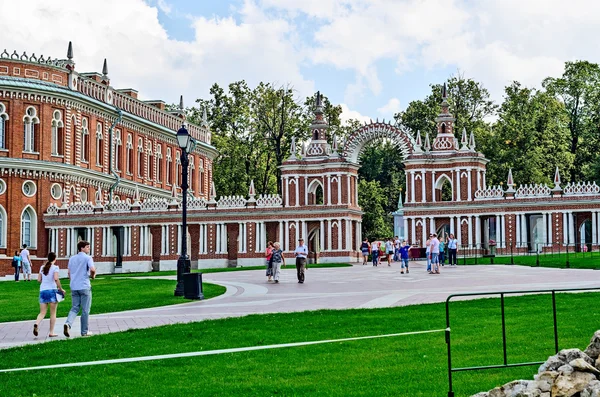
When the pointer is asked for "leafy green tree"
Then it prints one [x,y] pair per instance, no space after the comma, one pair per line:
[579,90]
[376,222]
[531,136]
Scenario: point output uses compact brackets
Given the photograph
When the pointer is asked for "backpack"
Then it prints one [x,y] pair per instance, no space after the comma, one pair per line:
[15,263]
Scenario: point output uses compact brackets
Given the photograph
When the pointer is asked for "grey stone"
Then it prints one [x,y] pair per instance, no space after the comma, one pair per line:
[565,370]
[568,385]
[517,388]
[481,394]
[592,389]
[545,380]
[593,349]
[579,364]
[563,357]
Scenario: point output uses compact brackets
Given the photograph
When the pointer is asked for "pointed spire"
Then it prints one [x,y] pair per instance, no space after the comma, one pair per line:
[293,149]
[444,92]
[99,196]
[418,143]
[510,182]
[105,68]
[557,181]
[463,140]
[136,196]
[174,191]
[181,102]
[70,51]
[427,143]
[251,191]
[400,199]
[319,103]
[204,118]
[472,142]
[213,192]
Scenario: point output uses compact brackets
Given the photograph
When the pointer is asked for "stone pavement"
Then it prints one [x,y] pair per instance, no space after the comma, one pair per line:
[325,288]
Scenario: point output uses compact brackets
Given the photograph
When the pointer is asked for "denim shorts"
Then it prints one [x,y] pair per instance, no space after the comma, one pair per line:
[48,296]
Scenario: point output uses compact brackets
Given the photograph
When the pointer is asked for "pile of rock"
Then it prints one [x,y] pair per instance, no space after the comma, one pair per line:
[569,373]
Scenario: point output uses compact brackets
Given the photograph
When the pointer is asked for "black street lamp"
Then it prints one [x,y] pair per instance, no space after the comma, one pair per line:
[186,143]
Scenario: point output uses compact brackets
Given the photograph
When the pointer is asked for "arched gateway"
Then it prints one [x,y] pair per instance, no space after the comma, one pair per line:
[357,141]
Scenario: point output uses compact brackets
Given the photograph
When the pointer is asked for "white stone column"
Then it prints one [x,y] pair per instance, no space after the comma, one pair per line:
[423,231]
[423,182]
[413,231]
[452,220]
[412,187]
[297,192]
[518,230]
[321,234]
[469,193]
[594,231]
[287,191]
[545,233]
[477,231]
[329,235]
[498,235]
[200,238]
[339,236]
[524,234]
[304,231]
[305,192]
[356,190]
[470,234]
[286,227]
[565,228]
[328,189]
[218,239]
[68,240]
[240,234]
[179,236]
[349,195]
[550,228]
[484,184]
[433,186]
[571,228]
[224,238]
[458,185]
[503,230]
[281,234]
[431,225]
[339,189]
[459,230]
[359,238]
[478,179]
[405,234]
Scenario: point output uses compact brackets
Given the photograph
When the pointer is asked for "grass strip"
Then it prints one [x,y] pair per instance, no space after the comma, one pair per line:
[578,260]
[19,301]
[404,366]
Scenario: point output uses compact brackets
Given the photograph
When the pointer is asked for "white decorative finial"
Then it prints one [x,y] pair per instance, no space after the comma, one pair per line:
[510,182]
[293,149]
[557,187]
[251,191]
[463,140]
[418,144]
[472,142]
[213,192]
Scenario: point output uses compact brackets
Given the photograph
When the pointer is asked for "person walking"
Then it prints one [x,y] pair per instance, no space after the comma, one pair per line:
[26,263]
[374,252]
[301,253]
[49,287]
[16,263]
[452,250]
[269,256]
[404,257]
[428,252]
[365,249]
[277,260]
[435,252]
[389,250]
[442,251]
[81,269]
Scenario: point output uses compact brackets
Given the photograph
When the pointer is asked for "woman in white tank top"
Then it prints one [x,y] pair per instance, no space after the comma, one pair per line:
[49,287]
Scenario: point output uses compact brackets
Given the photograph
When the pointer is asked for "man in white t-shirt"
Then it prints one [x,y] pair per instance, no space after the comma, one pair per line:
[26,263]
[301,253]
[435,254]
[81,269]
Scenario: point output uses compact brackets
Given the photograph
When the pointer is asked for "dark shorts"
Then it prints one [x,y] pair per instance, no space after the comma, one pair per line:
[48,296]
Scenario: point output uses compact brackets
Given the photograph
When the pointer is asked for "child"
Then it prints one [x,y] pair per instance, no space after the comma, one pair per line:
[404,256]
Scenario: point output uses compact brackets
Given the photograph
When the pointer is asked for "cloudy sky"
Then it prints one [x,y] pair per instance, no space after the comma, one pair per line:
[371,56]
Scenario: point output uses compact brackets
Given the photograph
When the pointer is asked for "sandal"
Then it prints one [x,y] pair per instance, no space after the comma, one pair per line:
[52,335]
[35,329]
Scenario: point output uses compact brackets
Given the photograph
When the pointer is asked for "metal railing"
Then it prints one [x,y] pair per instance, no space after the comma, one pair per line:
[505,363]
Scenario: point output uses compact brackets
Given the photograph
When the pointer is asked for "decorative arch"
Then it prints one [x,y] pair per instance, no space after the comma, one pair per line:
[440,185]
[29,226]
[3,226]
[355,143]
[315,193]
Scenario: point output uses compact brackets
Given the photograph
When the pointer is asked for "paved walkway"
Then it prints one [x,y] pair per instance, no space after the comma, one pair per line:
[325,288]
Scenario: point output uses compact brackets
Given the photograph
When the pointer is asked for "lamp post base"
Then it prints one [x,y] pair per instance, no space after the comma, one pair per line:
[183,266]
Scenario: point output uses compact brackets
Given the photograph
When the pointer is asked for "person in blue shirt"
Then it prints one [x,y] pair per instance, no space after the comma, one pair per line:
[452,249]
[404,256]
[442,251]
[16,263]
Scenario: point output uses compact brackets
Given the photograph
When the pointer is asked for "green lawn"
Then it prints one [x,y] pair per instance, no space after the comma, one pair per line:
[579,260]
[398,366]
[219,270]
[19,301]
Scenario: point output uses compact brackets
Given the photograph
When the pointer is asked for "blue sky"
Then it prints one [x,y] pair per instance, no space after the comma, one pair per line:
[371,56]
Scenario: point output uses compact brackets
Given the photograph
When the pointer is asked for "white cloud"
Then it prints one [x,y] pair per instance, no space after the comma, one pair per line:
[141,55]
[390,108]
[164,6]
[348,114]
